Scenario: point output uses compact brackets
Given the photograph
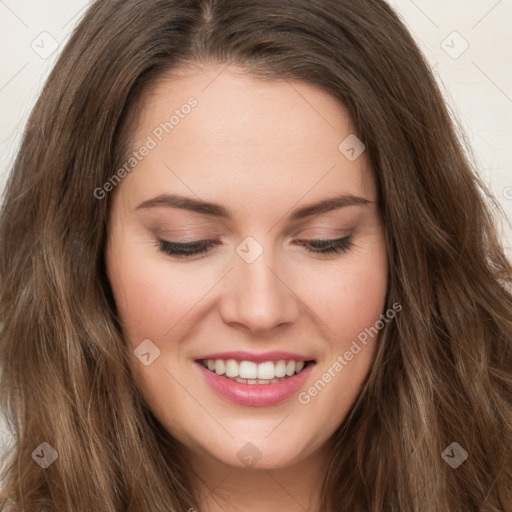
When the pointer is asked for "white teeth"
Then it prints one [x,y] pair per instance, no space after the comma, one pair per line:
[266,370]
[250,372]
[220,366]
[280,368]
[232,368]
[290,368]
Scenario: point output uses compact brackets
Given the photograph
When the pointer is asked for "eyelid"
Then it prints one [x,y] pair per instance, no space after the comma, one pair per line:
[210,239]
[331,234]
[201,248]
[183,235]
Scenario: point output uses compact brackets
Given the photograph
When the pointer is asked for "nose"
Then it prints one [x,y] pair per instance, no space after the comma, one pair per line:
[259,296]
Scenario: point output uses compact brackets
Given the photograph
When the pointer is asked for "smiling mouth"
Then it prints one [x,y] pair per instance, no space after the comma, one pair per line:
[249,372]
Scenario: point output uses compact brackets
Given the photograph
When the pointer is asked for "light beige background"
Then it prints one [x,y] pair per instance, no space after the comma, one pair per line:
[477,83]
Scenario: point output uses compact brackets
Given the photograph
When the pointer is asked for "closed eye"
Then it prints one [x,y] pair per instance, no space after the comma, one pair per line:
[201,247]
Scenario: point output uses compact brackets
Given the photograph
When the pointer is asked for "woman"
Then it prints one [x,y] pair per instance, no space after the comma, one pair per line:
[247,265]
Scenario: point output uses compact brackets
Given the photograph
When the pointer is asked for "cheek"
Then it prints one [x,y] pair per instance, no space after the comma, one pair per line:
[361,301]
[150,299]
[350,303]
[349,296]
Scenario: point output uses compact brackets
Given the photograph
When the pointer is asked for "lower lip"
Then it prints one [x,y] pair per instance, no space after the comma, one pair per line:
[255,395]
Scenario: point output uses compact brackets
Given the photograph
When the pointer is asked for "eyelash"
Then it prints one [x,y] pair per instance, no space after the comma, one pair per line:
[323,247]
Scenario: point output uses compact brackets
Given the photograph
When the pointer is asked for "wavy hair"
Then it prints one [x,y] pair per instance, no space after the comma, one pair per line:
[442,371]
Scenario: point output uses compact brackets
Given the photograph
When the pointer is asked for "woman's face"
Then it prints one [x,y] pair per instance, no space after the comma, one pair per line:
[244,165]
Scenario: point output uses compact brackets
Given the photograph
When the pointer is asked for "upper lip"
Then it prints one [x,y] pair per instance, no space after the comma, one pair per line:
[241,355]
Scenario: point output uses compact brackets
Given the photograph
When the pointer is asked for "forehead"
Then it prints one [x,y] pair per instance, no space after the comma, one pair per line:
[231,102]
[244,135]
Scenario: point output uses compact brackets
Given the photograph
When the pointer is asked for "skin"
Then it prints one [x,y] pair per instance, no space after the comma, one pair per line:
[261,149]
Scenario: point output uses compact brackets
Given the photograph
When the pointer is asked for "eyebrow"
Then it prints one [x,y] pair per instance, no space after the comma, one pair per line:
[219,211]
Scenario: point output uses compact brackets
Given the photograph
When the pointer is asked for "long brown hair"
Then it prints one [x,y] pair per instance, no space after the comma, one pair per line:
[443,368]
